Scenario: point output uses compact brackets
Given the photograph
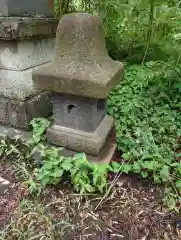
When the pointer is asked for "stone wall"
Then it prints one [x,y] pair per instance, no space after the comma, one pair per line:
[25,45]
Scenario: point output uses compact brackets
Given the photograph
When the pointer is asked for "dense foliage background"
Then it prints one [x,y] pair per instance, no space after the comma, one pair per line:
[135,30]
[146,35]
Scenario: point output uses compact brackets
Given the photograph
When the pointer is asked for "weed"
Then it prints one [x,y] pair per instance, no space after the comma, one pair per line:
[85,176]
[39,126]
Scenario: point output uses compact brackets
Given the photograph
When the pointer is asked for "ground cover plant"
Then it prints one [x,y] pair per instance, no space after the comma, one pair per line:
[69,198]
[146,106]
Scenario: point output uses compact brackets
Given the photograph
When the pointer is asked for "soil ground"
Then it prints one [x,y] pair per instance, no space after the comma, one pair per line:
[132,210]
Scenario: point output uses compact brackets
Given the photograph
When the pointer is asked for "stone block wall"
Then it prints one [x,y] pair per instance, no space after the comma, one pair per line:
[26,8]
[25,44]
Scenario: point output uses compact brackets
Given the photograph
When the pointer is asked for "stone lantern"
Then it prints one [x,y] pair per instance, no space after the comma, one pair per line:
[80,77]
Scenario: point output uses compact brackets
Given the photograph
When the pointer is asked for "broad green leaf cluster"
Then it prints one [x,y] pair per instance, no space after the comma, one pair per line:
[146,108]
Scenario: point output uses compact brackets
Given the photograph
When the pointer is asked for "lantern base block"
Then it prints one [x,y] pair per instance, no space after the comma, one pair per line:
[79,141]
[106,155]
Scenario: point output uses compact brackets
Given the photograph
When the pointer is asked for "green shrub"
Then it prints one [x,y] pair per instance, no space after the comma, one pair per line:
[136,31]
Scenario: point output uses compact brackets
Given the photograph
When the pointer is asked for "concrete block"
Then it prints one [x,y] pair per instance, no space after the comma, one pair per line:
[16,28]
[90,143]
[17,85]
[21,113]
[79,113]
[4,110]
[106,155]
[19,101]
[21,55]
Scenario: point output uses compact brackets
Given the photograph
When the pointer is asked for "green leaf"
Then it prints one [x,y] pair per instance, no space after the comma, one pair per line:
[58,173]
[126,156]
[102,187]
[67,164]
[42,174]
[150,165]
[48,165]
[165,173]
[89,188]
[126,168]
[116,167]
[46,180]
[32,185]
[156,178]
[136,167]
[178,183]
[144,174]
[39,125]
[179,171]
[147,157]
[175,164]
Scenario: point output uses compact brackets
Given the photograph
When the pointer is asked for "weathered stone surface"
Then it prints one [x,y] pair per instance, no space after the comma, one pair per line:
[26,8]
[11,132]
[17,85]
[4,110]
[79,113]
[80,76]
[81,65]
[19,101]
[90,143]
[21,55]
[15,28]
[19,114]
[105,156]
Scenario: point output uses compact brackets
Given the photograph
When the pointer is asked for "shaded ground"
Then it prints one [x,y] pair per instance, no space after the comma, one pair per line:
[132,210]
[12,196]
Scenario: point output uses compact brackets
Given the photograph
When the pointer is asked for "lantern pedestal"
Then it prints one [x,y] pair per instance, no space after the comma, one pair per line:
[91,143]
[80,78]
